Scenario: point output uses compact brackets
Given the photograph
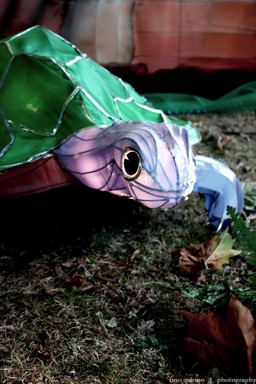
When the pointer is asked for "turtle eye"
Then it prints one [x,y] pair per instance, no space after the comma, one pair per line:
[131,164]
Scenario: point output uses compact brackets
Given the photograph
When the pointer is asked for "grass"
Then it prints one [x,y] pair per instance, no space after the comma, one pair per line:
[90,290]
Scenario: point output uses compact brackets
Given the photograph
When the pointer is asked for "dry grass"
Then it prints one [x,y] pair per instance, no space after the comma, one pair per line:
[88,284]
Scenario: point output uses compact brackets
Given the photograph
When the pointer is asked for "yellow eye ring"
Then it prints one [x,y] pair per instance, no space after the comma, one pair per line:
[131,164]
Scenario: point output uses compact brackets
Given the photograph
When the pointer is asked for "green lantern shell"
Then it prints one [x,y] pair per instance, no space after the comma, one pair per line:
[49,90]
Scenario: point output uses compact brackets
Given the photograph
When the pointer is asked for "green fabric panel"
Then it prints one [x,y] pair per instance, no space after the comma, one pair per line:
[30,95]
[240,99]
[40,41]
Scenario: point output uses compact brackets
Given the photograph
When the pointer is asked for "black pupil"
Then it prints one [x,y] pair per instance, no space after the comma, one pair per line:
[131,164]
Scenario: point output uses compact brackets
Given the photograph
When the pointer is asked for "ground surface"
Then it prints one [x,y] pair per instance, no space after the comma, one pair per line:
[97,301]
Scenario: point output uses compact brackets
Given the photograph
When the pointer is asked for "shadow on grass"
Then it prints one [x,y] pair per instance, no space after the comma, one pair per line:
[57,218]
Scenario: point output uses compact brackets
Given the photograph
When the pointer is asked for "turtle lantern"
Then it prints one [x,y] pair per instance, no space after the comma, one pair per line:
[65,119]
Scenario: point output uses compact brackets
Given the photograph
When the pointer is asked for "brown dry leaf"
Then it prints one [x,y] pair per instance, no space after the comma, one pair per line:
[213,253]
[54,291]
[222,142]
[227,340]
[68,263]
[192,259]
[76,281]
[79,283]
[129,260]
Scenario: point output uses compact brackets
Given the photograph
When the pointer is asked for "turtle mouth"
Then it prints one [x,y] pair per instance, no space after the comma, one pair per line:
[153,196]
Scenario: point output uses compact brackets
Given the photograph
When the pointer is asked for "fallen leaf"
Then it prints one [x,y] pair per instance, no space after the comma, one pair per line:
[227,340]
[76,281]
[222,142]
[54,291]
[213,253]
[68,263]
[191,260]
[129,260]
[79,283]
[223,251]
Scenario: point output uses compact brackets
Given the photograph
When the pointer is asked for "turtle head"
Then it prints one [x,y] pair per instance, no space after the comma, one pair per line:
[150,162]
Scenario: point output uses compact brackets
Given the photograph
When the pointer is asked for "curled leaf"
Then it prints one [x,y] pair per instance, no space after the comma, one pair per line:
[223,251]
[191,260]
